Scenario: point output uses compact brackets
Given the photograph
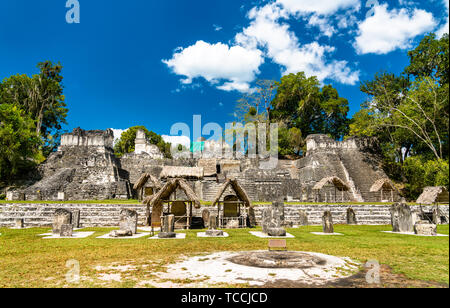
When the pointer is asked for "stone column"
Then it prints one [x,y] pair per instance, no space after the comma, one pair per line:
[327,222]
[128,220]
[61,217]
[19,223]
[401,218]
[167,227]
[351,217]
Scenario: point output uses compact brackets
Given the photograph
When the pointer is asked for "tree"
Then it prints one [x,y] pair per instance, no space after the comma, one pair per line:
[41,97]
[301,103]
[126,143]
[255,106]
[18,142]
[430,59]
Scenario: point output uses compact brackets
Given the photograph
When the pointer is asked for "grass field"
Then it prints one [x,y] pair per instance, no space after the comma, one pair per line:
[26,260]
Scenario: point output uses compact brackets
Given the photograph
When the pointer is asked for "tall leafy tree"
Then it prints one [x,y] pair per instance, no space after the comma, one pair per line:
[18,142]
[41,97]
[301,103]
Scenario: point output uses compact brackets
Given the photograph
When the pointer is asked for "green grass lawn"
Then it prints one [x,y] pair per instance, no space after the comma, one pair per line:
[26,260]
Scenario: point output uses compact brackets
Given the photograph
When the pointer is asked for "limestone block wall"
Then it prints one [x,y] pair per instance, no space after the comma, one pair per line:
[96,215]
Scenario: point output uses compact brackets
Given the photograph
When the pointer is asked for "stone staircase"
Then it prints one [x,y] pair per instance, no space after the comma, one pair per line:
[353,163]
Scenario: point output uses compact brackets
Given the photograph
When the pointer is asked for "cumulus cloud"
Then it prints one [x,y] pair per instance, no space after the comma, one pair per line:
[234,66]
[217,63]
[267,31]
[176,140]
[322,7]
[387,30]
[444,28]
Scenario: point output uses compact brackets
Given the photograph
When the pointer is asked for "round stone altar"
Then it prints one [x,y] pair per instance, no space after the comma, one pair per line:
[278,259]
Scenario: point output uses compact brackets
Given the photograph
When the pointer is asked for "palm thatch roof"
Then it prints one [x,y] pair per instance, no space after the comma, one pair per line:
[181,172]
[148,199]
[168,189]
[430,195]
[144,179]
[335,181]
[384,184]
[240,192]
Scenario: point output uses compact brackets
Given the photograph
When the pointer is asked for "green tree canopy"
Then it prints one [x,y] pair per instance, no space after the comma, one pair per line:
[301,103]
[41,97]
[126,143]
[19,142]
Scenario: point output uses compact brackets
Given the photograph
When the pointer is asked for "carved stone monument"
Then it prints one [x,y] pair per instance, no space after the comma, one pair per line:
[303,221]
[76,219]
[128,221]
[425,228]
[351,217]
[273,219]
[212,231]
[66,230]
[206,215]
[401,217]
[61,217]
[327,222]
[251,217]
[167,227]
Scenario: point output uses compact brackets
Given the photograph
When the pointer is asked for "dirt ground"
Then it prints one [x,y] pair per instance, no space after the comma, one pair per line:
[388,280]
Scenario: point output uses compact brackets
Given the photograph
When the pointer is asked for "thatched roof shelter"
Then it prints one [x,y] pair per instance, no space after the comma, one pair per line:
[240,192]
[431,195]
[181,172]
[143,180]
[209,166]
[170,187]
[384,184]
[335,181]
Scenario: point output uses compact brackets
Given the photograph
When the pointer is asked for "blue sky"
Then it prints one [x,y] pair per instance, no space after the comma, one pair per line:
[155,63]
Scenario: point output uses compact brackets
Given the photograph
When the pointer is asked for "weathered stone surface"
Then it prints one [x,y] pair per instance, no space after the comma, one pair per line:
[232,224]
[273,220]
[425,228]
[351,217]
[436,215]
[251,223]
[61,217]
[66,230]
[212,224]
[19,223]
[214,233]
[76,218]
[276,232]
[303,218]
[327,222]
[206,215]
[128,220]
[120,233]
[167,227]
[401,218]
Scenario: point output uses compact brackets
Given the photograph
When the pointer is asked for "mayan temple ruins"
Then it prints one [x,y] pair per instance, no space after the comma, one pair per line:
[85,168]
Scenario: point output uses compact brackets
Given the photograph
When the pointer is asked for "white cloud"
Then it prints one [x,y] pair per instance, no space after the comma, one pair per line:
[236,65]
[386,30]
[176,140]
[322,7]
[217,27]
[444,28]
[267,31]
[324,25]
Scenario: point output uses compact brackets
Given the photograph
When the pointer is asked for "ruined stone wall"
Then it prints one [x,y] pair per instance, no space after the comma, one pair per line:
[107,215]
